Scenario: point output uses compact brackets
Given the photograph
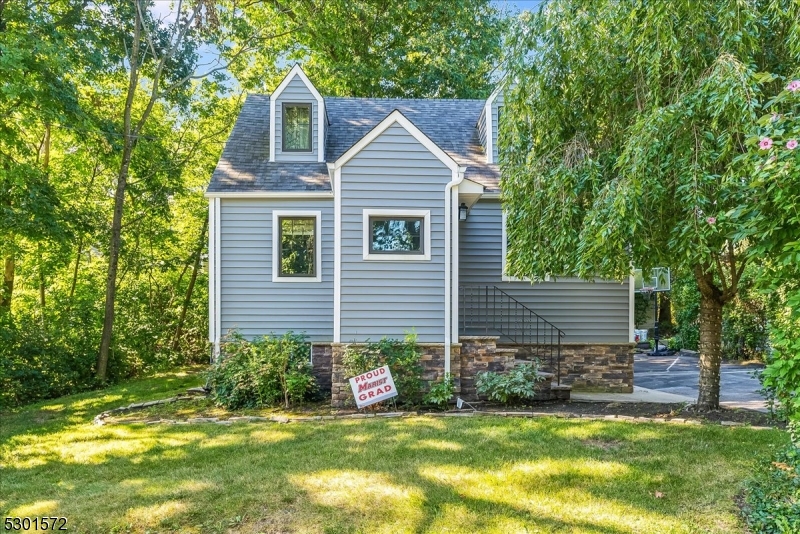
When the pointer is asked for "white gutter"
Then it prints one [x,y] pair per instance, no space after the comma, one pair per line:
[458,177]
[212,303]
[271,194]
[218,278]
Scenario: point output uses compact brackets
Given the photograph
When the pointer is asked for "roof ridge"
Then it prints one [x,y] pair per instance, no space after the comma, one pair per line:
[385,98]
[394,99]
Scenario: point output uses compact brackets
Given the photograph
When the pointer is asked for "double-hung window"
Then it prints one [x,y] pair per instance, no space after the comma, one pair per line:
[296,246]
[397,235]
[296,128]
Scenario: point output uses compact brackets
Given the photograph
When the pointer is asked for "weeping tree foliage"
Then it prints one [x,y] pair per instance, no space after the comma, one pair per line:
[623,136]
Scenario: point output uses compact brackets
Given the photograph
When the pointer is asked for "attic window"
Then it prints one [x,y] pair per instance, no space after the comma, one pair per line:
[296,128]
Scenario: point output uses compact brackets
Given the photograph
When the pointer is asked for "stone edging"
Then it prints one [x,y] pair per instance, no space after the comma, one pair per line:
[99,419]
[284,419]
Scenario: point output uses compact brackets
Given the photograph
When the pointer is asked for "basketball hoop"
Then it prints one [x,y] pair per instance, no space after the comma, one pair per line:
[658,281]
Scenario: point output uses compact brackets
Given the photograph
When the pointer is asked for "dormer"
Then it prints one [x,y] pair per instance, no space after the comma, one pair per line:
[488,123]
[296,120]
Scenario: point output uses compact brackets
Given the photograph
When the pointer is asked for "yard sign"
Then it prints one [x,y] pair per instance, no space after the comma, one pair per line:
[373,386]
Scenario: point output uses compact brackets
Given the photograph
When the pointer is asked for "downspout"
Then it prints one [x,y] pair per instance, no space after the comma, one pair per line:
[458,177]
[218,278]
[212,303]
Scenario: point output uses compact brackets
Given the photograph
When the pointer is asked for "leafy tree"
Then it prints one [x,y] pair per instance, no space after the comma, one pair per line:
[771,223]
[38,45]
[622,140]
[162,57]
[380,48]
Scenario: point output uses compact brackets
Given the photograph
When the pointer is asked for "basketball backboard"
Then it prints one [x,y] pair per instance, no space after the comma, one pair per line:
[659,280]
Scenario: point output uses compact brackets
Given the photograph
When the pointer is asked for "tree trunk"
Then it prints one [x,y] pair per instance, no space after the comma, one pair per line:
[8,283]
[190,289]
[710,341]
[46,168]
[113,260]
[664,310]
[41,281]
[75,271]
[119,200]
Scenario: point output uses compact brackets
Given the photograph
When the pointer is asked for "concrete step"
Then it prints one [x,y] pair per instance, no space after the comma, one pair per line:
[554,392]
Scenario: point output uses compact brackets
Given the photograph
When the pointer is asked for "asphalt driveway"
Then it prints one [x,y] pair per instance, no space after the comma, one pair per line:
[678,374]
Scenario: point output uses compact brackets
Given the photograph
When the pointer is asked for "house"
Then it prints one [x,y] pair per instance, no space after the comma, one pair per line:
[351,219]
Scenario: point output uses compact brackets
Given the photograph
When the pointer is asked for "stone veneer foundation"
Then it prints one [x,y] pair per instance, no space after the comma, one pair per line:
[595,367]
[321,363]
[432,361]
[606,367]
[584,366]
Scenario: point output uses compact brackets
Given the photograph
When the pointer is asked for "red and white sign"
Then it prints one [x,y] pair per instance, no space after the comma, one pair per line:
[373,386]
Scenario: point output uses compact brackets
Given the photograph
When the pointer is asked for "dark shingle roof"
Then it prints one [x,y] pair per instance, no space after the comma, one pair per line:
[244,165]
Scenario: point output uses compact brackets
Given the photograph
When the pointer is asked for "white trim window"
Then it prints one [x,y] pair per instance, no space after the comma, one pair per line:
[296,128]
[296,246]
[397,235]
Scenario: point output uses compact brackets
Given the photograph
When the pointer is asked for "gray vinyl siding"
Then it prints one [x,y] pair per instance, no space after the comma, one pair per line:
[296,92]
[251,302]
[594,312]
[389,298]
[498,102]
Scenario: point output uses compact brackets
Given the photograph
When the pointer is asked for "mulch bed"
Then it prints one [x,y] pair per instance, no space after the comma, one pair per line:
[657,411]
[203,408]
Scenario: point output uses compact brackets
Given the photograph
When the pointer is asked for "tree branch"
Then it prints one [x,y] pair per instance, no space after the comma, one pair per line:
[721,272]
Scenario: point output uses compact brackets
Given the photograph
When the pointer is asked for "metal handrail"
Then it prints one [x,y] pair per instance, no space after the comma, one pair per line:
[490,308]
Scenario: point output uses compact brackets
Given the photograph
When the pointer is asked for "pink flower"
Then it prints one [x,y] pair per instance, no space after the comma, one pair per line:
[793,86]
[791,144]
[711,220]
[765,144]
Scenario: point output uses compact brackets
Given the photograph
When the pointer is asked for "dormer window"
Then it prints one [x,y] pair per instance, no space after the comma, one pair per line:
[296,128]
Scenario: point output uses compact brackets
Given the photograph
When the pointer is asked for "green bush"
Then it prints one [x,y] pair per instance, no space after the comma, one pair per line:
[267,371]
[441,392]
[773,496]
[35,364]
[515,385]
[402,357]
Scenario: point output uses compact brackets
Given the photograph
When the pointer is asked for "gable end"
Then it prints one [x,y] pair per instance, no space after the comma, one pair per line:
[320,119]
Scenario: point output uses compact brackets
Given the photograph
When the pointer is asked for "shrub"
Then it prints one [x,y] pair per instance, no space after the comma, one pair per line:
[781,376]
[402,357]
[35,365]
[441,392]
[264,372]
[516,385]
[773,496]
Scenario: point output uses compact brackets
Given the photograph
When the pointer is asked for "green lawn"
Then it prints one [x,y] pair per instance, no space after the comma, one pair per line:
[379,475]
